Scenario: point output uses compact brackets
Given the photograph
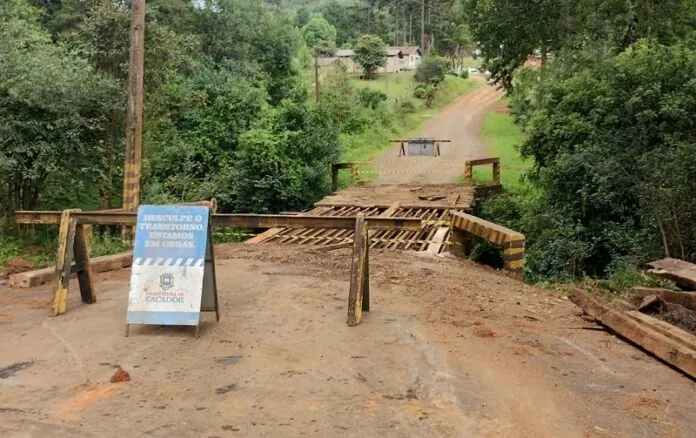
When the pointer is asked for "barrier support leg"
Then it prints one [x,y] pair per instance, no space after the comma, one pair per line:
[66,241]
[359,295]
[84,267]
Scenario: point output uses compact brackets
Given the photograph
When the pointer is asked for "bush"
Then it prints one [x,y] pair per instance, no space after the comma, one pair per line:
[430,71]
[464,74]
[419,91]
[407,106]
[371,99]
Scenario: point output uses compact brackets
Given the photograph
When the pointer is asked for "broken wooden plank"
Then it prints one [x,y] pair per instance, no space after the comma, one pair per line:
[651,340]
[686,299]
[675,333]
[438,240]
[681,272]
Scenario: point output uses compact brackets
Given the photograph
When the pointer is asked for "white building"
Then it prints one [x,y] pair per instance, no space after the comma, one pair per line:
[398,59]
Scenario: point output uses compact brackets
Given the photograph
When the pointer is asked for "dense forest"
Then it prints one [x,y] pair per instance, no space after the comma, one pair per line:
[610,130]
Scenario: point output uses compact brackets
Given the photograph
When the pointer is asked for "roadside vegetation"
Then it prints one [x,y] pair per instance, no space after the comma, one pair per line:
[229,109]
[608,133]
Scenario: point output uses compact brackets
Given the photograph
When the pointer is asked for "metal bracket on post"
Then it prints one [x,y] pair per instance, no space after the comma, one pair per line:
[359,295]
[72,245]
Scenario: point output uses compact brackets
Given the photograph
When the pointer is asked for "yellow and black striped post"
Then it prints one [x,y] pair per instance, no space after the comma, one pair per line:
[464,225]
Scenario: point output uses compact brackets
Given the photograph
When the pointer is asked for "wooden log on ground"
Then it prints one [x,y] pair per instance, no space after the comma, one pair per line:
[686,299]
[675,333]
[46,275]
[681,272]
[639,333]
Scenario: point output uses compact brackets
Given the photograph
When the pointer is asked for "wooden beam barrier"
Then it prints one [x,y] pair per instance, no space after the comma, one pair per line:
[469,169]
[464,225]
[359,294]
[72,242]
[229,220]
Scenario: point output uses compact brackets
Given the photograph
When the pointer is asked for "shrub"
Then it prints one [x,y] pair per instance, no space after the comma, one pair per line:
[430,71]
[371,99]
[464,74]
[419,92]
[408,107]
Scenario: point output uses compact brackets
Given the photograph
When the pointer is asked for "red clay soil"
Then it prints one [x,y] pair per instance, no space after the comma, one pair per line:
[15,266]
[449,349]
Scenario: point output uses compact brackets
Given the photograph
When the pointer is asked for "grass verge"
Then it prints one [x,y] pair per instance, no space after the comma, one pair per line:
[405,113]
[504,137]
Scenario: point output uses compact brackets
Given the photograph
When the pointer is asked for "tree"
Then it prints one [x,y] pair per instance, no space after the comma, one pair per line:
[318,31]
[301,17]
[52,107]
[615,162]
[370,53]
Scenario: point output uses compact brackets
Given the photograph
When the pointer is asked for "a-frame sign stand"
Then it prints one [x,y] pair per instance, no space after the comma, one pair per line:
[173,272]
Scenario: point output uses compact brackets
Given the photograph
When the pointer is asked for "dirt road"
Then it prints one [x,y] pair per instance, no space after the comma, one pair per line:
[460,123]
[450,349]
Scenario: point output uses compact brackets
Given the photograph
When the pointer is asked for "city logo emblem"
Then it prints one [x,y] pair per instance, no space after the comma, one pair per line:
[166,281]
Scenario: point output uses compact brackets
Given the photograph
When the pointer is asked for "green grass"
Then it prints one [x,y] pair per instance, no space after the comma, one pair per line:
[399,88]
[504,138]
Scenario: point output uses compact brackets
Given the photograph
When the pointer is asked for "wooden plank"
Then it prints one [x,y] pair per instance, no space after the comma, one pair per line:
[668,350]
[438,240]
[483,161]
[46,275]
[358,273]
[678,271]
[64,259]
[84,273]
[686,299]
[675,333]
[485,229]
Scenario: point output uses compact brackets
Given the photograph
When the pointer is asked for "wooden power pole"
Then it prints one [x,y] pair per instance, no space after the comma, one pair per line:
[134,119]
[422,29]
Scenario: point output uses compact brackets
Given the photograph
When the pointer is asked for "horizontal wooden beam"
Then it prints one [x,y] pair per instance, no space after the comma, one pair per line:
[46,275]
[229,220]
[651,340]
[482,161]
[678,271]
[686,299]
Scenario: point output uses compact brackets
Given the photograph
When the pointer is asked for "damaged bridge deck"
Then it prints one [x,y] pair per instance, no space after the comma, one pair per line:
[432,204]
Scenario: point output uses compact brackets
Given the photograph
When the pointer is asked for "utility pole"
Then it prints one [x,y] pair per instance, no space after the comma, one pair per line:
[134,118]
[422,23]
[316,74]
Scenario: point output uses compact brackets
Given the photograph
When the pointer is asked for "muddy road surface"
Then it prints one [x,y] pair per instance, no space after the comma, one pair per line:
[450,349]
[460,123]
